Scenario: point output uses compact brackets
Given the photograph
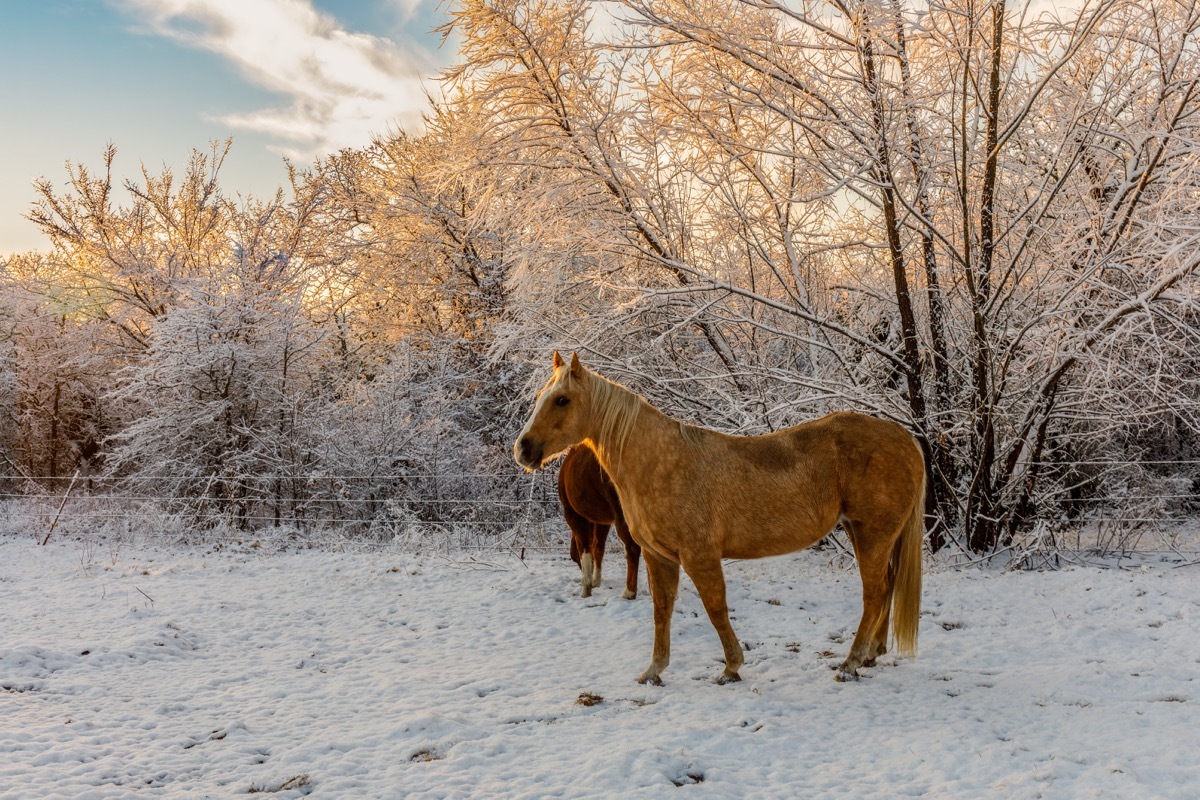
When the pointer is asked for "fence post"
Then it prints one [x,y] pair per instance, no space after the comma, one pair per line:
[61,505]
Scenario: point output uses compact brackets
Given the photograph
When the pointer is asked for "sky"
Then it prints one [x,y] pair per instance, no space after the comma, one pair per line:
[159,78]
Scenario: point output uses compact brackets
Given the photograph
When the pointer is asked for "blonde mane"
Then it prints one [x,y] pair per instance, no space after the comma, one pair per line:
[615,410]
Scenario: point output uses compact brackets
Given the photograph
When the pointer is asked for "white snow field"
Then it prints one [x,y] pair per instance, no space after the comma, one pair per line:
[138,671]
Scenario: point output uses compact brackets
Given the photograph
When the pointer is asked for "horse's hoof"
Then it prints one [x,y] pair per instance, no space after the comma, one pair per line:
[726,677]
[844,675]
[653,680]
[628,595]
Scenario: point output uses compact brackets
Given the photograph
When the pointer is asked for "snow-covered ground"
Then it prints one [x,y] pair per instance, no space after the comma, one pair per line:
[134,670]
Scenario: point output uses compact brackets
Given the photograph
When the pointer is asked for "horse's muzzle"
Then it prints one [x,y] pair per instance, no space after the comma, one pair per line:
[527,453]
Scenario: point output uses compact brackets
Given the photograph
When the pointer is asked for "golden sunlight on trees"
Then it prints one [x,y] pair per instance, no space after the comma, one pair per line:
[968,218]
[964,218]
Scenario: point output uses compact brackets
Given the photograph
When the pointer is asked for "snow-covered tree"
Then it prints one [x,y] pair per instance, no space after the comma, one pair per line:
[53,370]
[213,409]
[959,216]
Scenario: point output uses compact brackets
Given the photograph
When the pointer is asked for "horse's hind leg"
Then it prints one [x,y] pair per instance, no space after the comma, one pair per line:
[878,645]
[599,538]
[664,583]
[633,554]
[873,553]
[710,583]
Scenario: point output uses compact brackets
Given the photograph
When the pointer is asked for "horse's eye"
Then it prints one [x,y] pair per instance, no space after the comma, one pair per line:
[561,401]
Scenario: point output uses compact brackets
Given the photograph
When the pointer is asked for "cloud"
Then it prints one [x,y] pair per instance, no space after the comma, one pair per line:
[343,87]
[407,7]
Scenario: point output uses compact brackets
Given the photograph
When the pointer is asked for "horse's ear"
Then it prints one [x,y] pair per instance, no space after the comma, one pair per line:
[576,367]
[558,360]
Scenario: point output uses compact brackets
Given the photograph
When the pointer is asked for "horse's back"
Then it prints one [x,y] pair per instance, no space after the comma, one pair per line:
[785,490]
[844,440]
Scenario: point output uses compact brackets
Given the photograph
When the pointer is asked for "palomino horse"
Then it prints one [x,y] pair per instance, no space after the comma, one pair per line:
[590,506]
[693,497]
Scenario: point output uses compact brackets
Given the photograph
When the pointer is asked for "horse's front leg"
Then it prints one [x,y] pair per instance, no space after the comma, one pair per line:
[710,584]
[664,583]
[581,548]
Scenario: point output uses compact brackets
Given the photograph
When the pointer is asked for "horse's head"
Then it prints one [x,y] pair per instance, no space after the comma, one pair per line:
[559,415]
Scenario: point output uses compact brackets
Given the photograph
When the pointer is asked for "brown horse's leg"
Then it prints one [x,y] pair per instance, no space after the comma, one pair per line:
[872,551]
[599,538]
[664,583]
[581,547]
[710,583]
[633,554]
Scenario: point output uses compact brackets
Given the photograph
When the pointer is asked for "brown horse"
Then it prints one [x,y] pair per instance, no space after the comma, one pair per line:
[590,506]
[694,496]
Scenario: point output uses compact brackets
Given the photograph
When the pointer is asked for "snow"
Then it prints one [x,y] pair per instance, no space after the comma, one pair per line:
[135,669]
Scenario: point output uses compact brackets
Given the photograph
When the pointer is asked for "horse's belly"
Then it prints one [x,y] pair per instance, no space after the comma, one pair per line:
[771,548]
[771,538]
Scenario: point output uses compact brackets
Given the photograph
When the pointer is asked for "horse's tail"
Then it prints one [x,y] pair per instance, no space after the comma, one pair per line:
[906,566]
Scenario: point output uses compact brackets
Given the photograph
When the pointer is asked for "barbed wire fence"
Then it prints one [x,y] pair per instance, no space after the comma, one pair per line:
[1112,508]
[518,512]
[466,511]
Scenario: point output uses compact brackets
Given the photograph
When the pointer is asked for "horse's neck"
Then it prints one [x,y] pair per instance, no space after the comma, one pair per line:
[651,432]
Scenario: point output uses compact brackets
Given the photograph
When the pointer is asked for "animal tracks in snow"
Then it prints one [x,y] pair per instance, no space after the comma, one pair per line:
[325,674]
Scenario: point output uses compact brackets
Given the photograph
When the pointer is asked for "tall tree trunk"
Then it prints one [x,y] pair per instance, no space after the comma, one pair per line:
[983,504]
[883,174]
[940,503]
